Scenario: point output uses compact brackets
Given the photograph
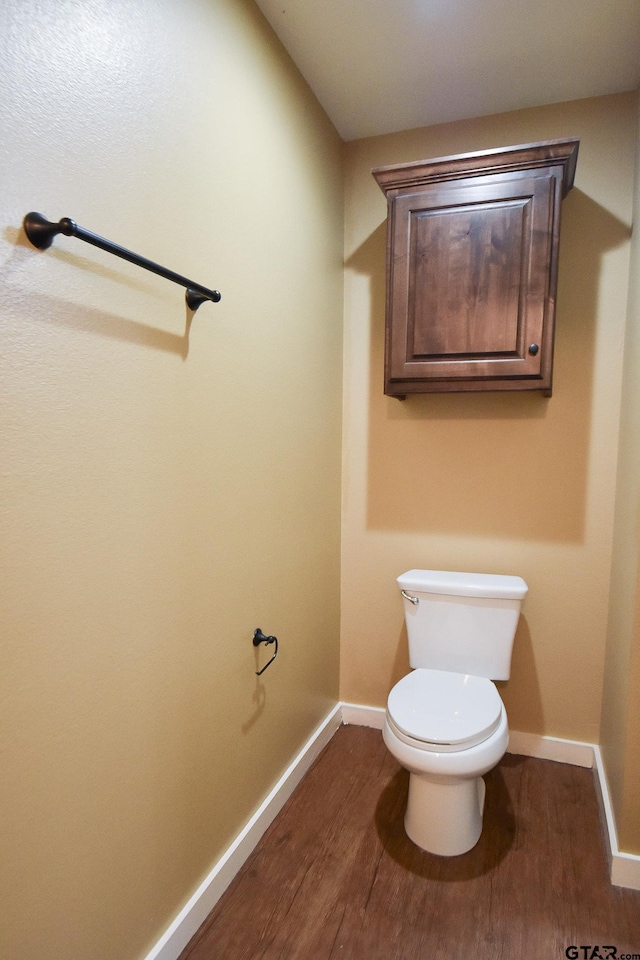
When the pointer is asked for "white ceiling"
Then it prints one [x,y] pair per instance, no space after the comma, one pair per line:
[378,66]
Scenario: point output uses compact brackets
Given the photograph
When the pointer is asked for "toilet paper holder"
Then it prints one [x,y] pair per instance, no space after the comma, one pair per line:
[258,638]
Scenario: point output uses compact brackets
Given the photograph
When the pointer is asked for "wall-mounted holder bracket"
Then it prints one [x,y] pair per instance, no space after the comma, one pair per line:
[41,233]
[258,638]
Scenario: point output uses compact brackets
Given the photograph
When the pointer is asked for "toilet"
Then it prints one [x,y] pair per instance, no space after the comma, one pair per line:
[445,722]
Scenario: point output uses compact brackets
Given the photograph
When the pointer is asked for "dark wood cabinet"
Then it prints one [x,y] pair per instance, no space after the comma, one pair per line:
[472,258]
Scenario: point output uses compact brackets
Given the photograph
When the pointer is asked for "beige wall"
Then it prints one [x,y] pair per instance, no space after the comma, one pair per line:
[164,491]
[621,698]
[514,484]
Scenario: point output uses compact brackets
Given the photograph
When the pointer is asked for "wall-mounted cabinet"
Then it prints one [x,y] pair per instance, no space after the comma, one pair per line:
[472,258]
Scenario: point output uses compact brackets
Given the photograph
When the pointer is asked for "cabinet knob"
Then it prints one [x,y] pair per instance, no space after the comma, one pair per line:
[533,349]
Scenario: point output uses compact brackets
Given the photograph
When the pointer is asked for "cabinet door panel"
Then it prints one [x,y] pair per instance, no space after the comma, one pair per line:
[465,279]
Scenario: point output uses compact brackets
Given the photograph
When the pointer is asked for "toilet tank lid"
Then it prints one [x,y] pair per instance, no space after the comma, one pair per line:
[463,584]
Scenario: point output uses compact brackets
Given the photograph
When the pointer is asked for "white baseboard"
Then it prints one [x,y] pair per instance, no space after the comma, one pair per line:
[196,911]
[624,867]
[575,752]
[361,716]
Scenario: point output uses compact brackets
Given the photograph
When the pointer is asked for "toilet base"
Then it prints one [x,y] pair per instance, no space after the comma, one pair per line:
[444,818]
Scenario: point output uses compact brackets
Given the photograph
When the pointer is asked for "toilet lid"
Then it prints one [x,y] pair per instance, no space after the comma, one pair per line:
[436,706]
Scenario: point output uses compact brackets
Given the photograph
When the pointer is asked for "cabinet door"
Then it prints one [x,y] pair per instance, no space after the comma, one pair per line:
[470,293]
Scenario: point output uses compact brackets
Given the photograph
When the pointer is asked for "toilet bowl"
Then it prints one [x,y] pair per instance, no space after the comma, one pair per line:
[447,730]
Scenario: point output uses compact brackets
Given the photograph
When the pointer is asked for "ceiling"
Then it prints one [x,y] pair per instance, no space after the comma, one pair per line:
[378,66]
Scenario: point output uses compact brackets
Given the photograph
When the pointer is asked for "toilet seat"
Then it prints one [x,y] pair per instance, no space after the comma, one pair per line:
[439,711]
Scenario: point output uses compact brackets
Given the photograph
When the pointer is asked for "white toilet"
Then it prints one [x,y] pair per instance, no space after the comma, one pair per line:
[445,722]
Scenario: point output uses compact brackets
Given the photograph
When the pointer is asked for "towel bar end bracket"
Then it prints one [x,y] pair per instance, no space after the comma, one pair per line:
[41,231]
[194,299]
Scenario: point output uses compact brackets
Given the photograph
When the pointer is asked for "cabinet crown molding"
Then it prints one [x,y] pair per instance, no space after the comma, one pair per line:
[525,156]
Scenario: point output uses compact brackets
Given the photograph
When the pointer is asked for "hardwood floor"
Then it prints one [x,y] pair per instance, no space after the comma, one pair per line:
[336,877]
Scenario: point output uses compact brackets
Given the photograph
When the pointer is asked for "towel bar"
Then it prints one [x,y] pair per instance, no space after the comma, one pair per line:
[41,232]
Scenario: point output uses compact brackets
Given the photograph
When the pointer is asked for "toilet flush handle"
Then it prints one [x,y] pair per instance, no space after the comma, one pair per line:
[408,597]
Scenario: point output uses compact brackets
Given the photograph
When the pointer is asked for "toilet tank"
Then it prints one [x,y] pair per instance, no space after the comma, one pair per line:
[462,622]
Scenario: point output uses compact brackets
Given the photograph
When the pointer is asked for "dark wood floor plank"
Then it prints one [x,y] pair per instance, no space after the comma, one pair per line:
[335,876]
